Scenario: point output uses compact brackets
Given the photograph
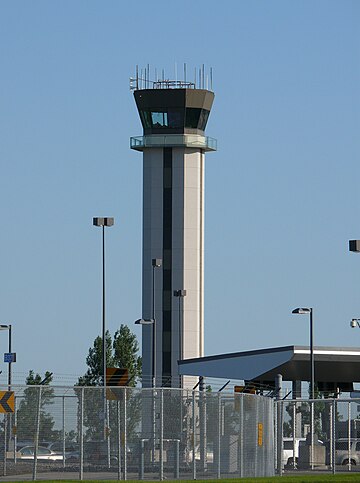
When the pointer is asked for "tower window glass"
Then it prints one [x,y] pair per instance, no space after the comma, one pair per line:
[176,118]
[145,119]
[204,114]
[196,118]
[159,119]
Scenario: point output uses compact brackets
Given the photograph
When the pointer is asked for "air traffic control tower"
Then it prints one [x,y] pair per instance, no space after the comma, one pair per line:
[174,115]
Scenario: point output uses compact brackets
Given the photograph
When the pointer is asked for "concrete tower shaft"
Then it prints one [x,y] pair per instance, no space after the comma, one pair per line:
[173,147]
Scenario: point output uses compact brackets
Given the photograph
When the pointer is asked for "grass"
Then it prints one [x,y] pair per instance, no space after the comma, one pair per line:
[325,477]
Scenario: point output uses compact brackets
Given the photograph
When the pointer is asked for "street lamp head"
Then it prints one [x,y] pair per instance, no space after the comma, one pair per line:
[354,246]
[145,321]
[4,327]
[156,262]
[354,323]
[107,221]
[301,310]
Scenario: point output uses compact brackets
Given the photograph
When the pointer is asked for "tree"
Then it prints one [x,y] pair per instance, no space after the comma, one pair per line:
[121,352]
[27,411]
[94,361]
[126,348]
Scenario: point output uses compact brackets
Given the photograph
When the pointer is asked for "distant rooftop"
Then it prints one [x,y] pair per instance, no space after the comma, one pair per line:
[201,79]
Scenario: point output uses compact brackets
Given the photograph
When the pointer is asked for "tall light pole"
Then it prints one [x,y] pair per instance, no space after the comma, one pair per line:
[312,368]
[10,356]
[180,294]
[156,263]
[148,322]
[103,222]
[301,311]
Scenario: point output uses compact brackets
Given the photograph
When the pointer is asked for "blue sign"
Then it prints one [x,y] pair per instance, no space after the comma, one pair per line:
[10,357]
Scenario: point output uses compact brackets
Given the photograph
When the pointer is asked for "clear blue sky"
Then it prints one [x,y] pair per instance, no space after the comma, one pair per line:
[282,191]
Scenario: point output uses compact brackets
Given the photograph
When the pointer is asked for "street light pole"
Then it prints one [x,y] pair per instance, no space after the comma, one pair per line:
[8,327]
[181,294]
[151,322]
[312,387]
[102,222]
[156,263]
[9,372]
[312,365]
[309,311]
[11,358]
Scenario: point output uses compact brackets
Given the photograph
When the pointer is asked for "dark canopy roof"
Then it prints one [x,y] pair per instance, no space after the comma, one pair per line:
[335,365]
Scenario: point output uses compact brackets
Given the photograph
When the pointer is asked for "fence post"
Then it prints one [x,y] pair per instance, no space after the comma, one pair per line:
[5,439]
[37,430]
[107,431]
[125,431]
[142,460]
[177,458]
[63,430]
[219,438]
[294,435]
[154,394]
[118,414]
[256,436]
[312,429]
[194,435]
[349,436]
[241,435]
[81,431]
[333,435]
[279,411]
[202,422]
[161,434]
[188,426]
[15,435]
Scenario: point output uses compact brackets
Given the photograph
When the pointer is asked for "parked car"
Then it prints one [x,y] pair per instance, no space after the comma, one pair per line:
[27,453]
[288,450]
[57,446]
[209,454]
[72,450]
[342,454]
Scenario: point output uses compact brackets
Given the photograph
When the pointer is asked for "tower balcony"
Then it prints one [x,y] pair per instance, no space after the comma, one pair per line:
[139,143]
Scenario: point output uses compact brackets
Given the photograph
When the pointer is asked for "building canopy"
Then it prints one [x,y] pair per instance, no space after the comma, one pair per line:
[334,366]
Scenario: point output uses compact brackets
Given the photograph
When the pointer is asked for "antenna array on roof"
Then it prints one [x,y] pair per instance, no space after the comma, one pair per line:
[202,80]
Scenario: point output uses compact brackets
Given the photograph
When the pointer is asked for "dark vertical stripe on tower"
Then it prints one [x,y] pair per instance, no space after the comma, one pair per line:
[167,265]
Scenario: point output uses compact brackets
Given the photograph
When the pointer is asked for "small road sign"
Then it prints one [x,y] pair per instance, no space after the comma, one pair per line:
[116,376]
[7,402]
[10,357]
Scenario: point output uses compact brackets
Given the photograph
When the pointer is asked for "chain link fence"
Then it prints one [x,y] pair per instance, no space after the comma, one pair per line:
[332,446]
[132,433]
